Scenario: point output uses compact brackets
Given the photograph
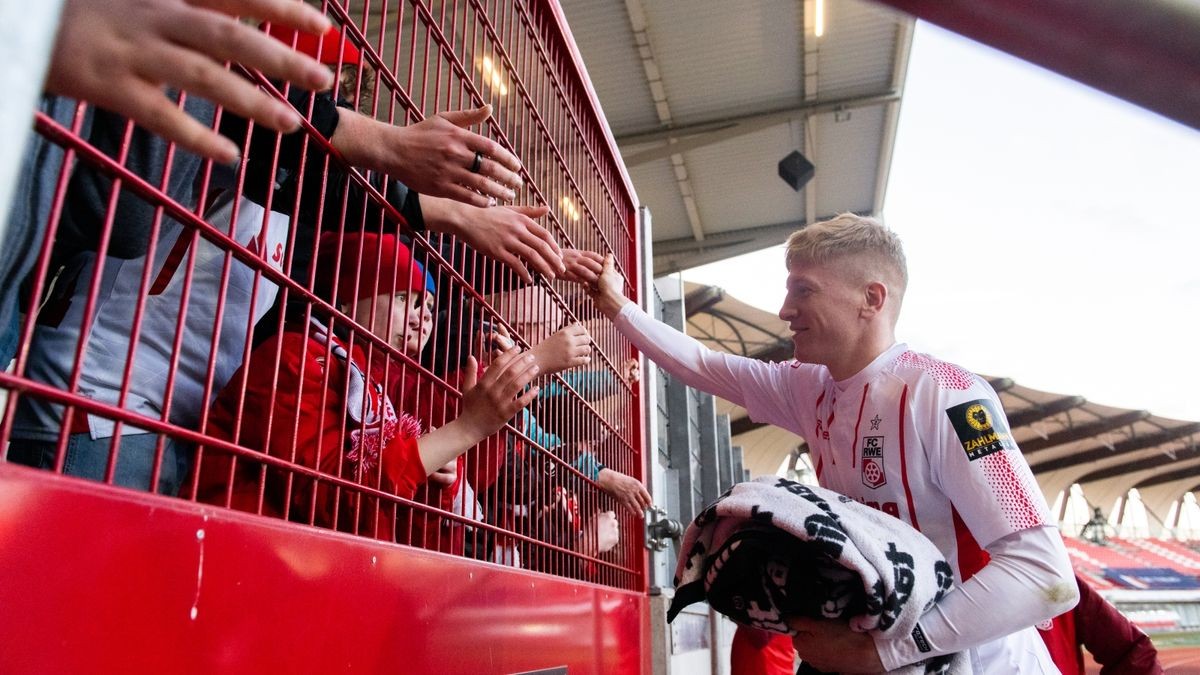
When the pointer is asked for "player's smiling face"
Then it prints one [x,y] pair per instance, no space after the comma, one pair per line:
[822,310]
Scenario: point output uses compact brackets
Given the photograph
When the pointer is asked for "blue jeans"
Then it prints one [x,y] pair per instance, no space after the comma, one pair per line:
[87,458]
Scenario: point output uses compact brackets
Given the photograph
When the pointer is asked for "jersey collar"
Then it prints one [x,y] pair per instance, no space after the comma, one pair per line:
[873,368]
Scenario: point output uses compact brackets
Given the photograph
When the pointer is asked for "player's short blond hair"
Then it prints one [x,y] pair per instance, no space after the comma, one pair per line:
[851,235]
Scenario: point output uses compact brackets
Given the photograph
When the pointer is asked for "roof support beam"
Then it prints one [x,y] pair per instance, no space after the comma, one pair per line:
[1000,384]
[718,246]
[811,61]
[1143,464]
[1189,471]
[1124,447]
[702,299]
[687,137]
[638,22]
[766,235]
[1040,412]
[1082,431]
[744,425]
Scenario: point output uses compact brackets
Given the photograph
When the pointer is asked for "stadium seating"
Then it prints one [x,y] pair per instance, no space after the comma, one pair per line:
[1093,561]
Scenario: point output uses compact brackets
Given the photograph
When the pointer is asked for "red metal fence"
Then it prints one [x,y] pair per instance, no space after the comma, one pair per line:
[169,301]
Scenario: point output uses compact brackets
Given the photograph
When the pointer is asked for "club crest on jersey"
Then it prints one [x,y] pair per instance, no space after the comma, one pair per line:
[980,430]
[873,475]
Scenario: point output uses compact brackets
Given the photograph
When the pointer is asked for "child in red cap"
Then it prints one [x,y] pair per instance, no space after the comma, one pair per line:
[307,400]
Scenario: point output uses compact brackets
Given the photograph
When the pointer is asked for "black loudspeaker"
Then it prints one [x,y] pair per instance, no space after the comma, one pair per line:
[796,170]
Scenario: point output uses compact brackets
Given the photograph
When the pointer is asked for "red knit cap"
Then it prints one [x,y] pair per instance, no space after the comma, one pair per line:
[386,268]
[329,44]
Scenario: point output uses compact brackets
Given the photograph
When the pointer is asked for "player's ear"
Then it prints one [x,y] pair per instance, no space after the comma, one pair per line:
[875,295]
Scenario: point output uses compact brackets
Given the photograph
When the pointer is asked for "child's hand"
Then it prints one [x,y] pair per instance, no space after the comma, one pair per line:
[492,401]
[568,348]
[631,370]
[608,532]
[496,340]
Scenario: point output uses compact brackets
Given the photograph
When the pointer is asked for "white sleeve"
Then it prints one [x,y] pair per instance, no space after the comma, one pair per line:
[770,392]
[976,463]
[1027,580]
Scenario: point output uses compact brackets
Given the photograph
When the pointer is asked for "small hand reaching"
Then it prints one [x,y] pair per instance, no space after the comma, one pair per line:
[631,370]
[491,401]
[601,534]
[569,347]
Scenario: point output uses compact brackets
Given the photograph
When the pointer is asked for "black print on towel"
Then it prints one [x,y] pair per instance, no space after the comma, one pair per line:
[903,570]
[825,528]
[980,429]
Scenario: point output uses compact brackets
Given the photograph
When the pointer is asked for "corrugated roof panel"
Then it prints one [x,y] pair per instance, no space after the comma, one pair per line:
[605,38]
[727,60]
[847,159]
[738,181]
[721,59]
[856,55]
[657,190]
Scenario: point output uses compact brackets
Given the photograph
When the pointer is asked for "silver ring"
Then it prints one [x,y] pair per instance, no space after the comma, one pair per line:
[491,201]
[478,161]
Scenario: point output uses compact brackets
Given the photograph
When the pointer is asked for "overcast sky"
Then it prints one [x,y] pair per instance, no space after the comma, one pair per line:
[1052,232]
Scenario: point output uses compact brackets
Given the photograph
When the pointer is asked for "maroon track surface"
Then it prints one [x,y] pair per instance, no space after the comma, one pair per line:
[1175,661]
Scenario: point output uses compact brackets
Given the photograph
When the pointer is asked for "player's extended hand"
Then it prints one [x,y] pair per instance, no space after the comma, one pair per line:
[500,394]
[119,54]
[582,267]
[830,646]
[569,347]
[627,490]
[607,289]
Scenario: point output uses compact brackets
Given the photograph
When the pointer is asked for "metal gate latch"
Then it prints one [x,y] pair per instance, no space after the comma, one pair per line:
[660,529]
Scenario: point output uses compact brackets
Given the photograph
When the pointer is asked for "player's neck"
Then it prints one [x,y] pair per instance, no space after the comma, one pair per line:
[861,354]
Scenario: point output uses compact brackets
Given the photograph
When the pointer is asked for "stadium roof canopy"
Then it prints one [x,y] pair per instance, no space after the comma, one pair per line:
[1065,438]
[705,99]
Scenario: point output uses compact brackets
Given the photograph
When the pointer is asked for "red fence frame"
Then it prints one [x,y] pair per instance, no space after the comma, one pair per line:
[257,601]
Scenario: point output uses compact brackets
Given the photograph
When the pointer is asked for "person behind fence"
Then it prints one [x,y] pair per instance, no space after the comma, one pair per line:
[920,439]
[521,487]
[533,313]
[430,401]
[210,348]
[338,447]
[118,54]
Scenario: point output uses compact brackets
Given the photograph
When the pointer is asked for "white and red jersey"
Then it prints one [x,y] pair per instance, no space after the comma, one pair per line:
[920,439]
[55,342]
